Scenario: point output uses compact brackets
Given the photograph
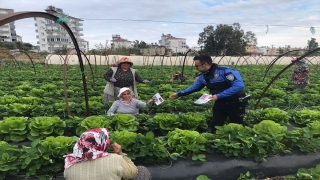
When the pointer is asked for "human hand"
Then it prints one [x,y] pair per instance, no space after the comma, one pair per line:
[145,81]
[116,148]
[113,80]
[214,97]
[150,102]
[173,96]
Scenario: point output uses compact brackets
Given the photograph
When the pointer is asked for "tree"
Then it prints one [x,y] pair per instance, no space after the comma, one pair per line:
[225,39]
[250,38]
[205,36]
[312,44]
[281,51]
[140,45]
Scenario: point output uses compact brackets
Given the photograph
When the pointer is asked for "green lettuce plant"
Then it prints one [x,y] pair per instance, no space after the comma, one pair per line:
[127,140]
[43,126]
[92,122]
[166,122]
[306,116]
[14,129]
[192,121]
[9,165]
[125,122]
[186,143]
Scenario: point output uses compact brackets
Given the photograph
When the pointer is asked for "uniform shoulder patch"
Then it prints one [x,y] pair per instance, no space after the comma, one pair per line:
[230,77]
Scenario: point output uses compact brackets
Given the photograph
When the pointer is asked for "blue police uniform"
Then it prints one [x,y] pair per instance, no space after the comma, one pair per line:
[228,85]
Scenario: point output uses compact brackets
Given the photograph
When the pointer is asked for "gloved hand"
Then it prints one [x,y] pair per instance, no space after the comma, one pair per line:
[113,80]
[145,81]
[150,102]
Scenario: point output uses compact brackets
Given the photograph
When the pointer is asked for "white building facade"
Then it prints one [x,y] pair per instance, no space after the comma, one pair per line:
[7,31]
[51,36]
[118,42]
[177,45]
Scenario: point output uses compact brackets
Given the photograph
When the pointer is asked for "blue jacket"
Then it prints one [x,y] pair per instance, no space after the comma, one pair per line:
[220,80]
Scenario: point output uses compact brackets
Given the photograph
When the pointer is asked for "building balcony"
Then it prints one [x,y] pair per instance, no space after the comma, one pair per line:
[36,30]
[4,32]
[36,24]
[79,24]
[12,26]
[80,34]
[38,42]
[79,29]
[5,26]
[37,36]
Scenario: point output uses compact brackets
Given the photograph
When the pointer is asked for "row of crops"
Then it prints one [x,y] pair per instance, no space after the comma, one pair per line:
[34,114]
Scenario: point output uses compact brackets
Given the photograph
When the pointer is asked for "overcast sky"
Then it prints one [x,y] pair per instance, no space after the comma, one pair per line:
[275,22]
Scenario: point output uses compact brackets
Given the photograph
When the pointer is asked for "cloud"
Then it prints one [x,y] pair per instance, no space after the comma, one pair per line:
[288,20]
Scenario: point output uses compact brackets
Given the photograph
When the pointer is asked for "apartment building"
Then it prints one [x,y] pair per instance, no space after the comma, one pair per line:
[153,50]
[118,42]
[177,45]
[51,36]
[7,31]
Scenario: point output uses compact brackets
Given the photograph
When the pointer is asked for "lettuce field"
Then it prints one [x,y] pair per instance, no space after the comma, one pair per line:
[37,127]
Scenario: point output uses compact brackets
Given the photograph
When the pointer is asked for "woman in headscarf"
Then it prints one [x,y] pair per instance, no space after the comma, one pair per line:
[121,76]
[90,159]
[300,74]
[127,104]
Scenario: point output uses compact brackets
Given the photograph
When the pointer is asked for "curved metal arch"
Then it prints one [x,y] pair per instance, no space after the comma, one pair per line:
[22,15]
[105,59]
[46,63]
[274,61]
[185,56]
[257,60]
[34,68]
[154,57]
[221,58]
[70,53]
[245,59]
[282,71]
[14,59]
[95,59]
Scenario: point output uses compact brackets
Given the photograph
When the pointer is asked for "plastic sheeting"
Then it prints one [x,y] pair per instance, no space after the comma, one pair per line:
[226,168]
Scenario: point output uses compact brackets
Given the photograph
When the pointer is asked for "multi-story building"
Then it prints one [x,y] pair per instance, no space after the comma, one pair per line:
[177,45]
[154,51]
[118,42]
[7,31]
[51,36]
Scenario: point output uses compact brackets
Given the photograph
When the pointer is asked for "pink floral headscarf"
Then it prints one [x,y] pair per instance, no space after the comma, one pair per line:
[92,144]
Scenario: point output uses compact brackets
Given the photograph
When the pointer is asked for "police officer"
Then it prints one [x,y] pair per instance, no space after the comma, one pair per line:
[225,85]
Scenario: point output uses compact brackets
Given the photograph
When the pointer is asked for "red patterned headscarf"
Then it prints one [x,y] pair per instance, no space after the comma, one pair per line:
[92,144]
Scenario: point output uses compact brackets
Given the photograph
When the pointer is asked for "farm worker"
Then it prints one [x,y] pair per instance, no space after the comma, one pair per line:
[225,85]
[121,76]
[127,104]
[90,159]
[300,74]
[178,76]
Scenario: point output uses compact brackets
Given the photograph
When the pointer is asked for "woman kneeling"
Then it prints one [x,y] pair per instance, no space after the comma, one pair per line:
[127,104]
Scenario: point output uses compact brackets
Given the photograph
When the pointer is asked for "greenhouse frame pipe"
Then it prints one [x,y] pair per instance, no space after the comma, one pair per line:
[34,68]
[4,19]
[282,71]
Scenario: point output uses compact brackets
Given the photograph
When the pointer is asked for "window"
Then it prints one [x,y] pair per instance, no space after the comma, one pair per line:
[43,45]
[43,39]
[58,39]
[52,39]
[42,33]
